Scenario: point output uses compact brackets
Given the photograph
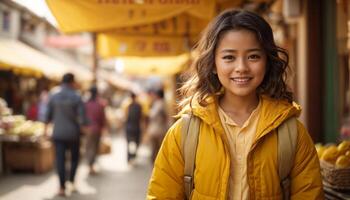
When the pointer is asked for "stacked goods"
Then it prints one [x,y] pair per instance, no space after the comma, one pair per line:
[335,164]
[4,111]
[22,146]
[19,126]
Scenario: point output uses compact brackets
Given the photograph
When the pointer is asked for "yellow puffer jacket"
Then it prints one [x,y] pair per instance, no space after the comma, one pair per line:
[213,160]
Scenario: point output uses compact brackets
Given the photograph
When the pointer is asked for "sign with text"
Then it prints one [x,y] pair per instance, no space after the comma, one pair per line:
[113,45]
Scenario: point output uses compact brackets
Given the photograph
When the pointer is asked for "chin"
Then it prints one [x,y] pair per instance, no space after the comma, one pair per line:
[243,93]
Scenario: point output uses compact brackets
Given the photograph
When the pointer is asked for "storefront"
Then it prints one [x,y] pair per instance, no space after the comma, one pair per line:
[25,73]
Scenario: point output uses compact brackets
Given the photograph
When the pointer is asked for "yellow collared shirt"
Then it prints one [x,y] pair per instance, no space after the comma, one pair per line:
[240,140]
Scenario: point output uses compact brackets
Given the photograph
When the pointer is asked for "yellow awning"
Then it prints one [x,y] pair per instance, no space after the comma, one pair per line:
[114,45]
[152,65]
[167,38]
[99,15]
[180,25]
[17,56]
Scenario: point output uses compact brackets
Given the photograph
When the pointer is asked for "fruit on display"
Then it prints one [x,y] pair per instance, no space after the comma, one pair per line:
[330,154]
[343,147]
[22,127]
[336,155]
[342,162]
[347,153]
[320,149]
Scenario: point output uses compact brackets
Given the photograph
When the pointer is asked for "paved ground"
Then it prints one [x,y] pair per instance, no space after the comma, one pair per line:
[116,179]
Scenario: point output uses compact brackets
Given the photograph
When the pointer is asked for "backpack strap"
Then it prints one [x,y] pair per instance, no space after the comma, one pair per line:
[189,139]
[287,140]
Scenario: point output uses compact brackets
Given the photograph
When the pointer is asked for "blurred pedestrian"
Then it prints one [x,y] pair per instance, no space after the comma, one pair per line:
[158,121]
[67,113]
[42,105]
[238,93]
[95,111]
[32,110]
[133,127]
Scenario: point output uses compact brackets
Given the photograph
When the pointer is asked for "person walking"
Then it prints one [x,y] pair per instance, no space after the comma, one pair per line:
[239,93]
[42,105]
[95,111]
[158,121]
[65,109]
[133,127]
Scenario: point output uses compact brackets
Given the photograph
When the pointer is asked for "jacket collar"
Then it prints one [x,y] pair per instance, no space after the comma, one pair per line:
[273,112]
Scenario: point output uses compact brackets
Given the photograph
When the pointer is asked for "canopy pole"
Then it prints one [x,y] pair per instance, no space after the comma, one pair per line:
[95,58]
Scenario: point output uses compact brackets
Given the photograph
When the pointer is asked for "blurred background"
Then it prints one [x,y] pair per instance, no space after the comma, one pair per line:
[138,46]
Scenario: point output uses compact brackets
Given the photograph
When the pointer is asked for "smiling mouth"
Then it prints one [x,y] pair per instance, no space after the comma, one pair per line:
[241,80]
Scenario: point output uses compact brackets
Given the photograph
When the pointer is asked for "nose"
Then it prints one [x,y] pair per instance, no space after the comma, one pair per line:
[241,65]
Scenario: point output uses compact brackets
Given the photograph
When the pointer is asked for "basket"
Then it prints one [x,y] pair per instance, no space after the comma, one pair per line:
[334,177]
[105,146]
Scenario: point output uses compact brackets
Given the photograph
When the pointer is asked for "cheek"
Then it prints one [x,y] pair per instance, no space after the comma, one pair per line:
[262,72]
[222,67]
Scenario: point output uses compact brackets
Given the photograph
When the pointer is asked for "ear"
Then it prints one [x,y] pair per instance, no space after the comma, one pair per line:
[214,71]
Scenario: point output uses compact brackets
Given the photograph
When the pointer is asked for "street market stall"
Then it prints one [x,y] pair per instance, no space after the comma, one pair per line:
[22,144]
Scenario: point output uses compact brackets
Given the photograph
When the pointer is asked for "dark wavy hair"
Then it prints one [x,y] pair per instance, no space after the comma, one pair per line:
[203,83]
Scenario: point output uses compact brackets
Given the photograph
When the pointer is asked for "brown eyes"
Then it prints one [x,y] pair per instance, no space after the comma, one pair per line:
[254,57]
[250,57]
[228,57]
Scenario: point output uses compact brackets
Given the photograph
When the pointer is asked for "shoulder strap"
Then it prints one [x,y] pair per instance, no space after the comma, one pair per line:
[287,139]
[189,139]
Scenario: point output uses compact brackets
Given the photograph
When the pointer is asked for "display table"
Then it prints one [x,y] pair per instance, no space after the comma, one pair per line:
[27,153]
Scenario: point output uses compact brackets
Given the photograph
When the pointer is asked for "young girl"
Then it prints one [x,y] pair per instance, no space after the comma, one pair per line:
[238,91]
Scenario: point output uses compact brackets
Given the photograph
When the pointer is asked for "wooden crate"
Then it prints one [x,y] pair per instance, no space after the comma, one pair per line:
[37,157]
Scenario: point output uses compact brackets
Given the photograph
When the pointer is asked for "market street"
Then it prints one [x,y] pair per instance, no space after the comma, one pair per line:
[115,181]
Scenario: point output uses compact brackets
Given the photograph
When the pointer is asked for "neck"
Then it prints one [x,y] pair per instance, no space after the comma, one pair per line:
[239,105]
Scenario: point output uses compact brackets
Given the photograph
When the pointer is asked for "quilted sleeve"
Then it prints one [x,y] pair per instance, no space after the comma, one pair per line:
[167,177]
[306,181]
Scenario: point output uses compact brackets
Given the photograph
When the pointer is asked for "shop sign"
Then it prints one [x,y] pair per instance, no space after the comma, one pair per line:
[110,45]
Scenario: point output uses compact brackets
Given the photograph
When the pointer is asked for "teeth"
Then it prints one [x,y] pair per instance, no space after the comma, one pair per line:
[241,79]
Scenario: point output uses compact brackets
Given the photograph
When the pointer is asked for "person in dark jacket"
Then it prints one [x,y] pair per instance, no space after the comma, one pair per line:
[133,127]
[66,111]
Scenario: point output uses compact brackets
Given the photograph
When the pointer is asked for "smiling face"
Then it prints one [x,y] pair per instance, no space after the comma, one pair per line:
[240,63]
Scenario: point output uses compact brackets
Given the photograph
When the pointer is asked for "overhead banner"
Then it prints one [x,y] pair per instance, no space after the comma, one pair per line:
[180,25]
[113,45]
[99,15]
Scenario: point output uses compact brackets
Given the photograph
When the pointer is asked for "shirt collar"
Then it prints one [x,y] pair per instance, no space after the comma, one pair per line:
[231,122]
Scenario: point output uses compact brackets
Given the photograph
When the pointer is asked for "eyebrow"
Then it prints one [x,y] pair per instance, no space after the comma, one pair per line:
[233,50]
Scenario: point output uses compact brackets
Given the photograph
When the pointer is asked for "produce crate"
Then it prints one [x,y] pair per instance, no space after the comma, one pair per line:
[34,156]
